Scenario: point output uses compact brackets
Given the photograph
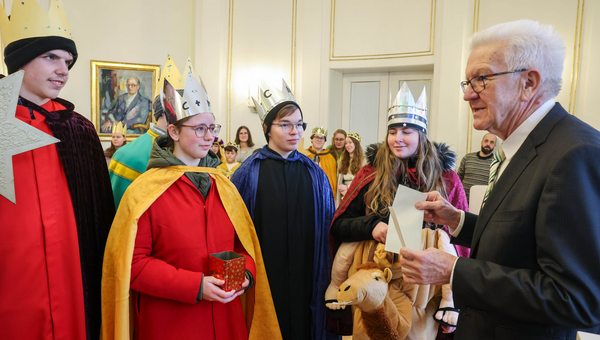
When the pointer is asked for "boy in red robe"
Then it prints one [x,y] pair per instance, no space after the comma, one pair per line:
[53,238]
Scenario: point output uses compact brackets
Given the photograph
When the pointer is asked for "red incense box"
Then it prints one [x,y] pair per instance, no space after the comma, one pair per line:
[228,266]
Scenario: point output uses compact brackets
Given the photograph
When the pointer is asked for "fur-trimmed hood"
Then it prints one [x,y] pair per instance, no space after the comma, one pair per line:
[447,157]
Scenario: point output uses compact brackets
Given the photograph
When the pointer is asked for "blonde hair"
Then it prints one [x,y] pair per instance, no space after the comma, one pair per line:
[383,189]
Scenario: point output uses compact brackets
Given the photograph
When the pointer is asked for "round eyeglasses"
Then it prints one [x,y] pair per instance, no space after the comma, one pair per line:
[287,127]
[478,83]
[201,129]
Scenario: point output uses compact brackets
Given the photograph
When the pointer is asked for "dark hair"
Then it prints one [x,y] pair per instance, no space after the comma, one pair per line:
[357,161]
[112,149]
[237,136]
[178,125]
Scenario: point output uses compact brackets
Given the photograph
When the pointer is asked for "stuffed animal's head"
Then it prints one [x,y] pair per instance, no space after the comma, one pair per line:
[367,288]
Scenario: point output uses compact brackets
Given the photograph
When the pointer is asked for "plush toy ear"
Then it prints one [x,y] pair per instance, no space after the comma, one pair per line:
[387,275]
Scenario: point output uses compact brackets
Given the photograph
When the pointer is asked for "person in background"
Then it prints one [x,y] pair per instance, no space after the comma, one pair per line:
[291,204]
[350,163]
[323,157]
[337,144]
[52,238]
[230,165]
[130,161]
[243,138]
[474,168]
[533,270]
[217,147]
[117,140]
[171,219]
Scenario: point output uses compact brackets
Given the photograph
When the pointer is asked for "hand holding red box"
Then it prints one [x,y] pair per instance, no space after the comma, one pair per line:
[230,267]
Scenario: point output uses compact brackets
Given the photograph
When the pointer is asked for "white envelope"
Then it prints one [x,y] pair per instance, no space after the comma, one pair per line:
[406,222]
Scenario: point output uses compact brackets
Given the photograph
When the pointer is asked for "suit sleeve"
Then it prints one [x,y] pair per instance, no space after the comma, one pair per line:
[157,278]
[564,290]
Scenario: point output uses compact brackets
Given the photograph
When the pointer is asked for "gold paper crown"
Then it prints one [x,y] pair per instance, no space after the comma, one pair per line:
[237,147]
[28,20]
[119,128]
[319,131]
[355,136]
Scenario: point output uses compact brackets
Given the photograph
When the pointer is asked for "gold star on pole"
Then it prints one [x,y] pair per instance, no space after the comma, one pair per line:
[16,136]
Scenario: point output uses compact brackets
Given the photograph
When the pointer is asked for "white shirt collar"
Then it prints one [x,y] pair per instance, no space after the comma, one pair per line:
[512,144]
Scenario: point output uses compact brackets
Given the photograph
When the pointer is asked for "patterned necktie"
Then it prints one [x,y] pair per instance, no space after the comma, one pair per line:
[499,157]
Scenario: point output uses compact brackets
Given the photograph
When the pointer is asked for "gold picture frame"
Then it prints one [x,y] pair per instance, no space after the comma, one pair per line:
[122,92]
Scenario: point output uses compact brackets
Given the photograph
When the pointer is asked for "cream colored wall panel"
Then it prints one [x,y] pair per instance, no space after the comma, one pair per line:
[260,47]
[381,29]
[586,94]
[564,15]
[123,31]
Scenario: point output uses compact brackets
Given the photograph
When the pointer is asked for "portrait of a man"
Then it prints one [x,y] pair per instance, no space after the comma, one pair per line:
[123,95]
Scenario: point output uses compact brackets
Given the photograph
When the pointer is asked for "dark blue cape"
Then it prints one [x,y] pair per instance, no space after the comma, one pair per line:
[245,179]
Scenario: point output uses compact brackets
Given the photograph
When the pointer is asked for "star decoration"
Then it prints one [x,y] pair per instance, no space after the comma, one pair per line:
[404,124]
[16,136]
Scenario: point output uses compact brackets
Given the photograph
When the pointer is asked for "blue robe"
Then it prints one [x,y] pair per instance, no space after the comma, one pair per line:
[246,179]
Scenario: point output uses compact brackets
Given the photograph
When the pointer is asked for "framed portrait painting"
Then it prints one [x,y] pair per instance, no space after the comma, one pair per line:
[122,92]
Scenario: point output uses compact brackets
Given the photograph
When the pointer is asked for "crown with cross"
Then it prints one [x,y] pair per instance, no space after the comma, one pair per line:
[270,98]
[194,99]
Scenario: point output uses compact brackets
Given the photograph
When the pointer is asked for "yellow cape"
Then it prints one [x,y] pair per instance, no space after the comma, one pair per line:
[116,271]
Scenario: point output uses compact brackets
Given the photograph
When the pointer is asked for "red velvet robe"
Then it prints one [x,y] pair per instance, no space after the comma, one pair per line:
[40,273]
[174,239]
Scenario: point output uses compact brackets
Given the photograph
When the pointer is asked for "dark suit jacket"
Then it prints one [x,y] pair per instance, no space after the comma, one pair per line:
[534,271]
[120,111]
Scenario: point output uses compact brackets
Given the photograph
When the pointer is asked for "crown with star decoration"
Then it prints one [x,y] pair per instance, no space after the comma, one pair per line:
[404,112]
[355,136]
[120,128]
[194,99]
[29,20]
[270,98]
[319,130]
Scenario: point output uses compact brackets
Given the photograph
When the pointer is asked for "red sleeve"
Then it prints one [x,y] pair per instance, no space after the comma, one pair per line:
[239,248]
[157,278]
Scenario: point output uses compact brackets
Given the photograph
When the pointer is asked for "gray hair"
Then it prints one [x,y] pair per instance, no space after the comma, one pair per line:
[529,44]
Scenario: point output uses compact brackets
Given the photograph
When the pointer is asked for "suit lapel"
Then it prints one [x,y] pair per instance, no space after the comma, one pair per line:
[520,161]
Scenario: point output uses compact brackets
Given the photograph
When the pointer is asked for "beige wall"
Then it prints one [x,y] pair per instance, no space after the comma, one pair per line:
[313,43]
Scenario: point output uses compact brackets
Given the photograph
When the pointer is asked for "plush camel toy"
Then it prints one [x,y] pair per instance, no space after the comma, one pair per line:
[416,304]
[367,290]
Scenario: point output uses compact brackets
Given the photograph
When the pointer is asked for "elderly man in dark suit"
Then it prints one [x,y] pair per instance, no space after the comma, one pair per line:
[534,271]
[131,108]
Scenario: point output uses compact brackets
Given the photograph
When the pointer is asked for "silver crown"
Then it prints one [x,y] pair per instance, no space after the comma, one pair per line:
[268,98]
[194,100]
[405,113]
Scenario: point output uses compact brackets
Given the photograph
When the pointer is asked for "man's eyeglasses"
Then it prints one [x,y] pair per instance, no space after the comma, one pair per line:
[287,127]
[203,128]
[319,137]
[132,85]
[478,83]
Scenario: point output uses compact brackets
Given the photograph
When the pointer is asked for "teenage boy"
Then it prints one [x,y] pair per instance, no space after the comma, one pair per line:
[291,204]
[53,238]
